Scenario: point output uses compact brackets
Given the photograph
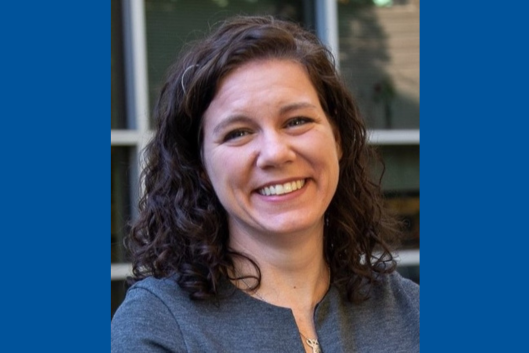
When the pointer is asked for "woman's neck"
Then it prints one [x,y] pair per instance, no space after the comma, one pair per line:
[294,272]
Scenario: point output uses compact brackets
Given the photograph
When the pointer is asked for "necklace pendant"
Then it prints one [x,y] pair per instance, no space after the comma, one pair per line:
[314,344]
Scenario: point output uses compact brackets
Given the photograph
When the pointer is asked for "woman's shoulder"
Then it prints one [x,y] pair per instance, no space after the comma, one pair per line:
[151,292]
[397,292]
[393,306]
[403,285]
[147,317]
[162,288]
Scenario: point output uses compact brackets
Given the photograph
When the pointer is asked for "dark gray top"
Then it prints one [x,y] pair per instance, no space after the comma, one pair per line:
[157,316]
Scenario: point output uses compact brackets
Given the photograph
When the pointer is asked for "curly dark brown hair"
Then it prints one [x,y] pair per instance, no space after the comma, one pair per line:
[182,228]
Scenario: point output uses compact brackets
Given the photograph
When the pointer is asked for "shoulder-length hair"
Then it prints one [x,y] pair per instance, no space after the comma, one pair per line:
[182,228]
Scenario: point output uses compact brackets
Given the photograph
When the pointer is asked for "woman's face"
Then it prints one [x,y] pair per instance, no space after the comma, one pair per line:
[269,149]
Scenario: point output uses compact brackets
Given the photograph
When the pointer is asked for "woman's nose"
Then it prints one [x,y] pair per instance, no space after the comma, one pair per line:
[275,150]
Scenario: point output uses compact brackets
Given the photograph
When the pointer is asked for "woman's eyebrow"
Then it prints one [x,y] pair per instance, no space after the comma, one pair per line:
[295,106]
[232,119]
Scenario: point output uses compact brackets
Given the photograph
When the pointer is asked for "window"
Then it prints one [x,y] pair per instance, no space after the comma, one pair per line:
[117,73]
[172,24]
[379,57]
[119,201]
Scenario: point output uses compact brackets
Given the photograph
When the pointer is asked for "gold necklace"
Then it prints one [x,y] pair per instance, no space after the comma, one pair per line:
[311,342]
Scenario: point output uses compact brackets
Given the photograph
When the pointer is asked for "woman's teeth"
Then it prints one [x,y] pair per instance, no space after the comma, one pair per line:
[281,189]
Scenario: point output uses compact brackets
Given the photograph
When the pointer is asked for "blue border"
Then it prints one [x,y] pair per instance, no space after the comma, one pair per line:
[55,220]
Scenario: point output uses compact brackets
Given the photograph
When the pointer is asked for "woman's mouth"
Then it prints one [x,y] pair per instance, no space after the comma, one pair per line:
[280,189]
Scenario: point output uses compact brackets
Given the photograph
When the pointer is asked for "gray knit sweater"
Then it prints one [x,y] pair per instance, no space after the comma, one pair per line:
[157,316]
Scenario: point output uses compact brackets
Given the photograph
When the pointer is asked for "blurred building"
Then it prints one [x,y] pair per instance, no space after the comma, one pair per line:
[375,42]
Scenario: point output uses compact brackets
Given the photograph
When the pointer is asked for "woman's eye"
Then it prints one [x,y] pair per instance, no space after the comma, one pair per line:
[298,121]
[232,135]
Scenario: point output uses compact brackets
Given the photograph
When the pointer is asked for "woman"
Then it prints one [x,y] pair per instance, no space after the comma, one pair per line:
[261,229]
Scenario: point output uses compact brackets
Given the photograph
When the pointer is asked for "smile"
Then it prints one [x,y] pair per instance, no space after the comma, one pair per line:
[281,189]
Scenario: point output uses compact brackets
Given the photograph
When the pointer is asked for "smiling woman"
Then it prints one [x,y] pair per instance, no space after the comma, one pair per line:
[261,218]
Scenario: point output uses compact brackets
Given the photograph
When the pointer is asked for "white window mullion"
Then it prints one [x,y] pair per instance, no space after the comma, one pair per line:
[120,271]
[136,64]
[138,108]
[394,137]
[410,257]
[327,26]
[123,138]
